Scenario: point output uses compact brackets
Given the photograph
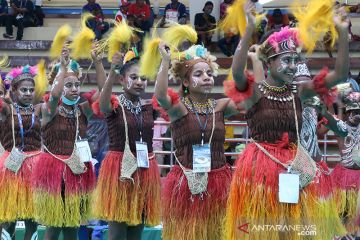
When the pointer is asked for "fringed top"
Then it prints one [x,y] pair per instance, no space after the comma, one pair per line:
[116,128]
[268,120]
[59,133]
[32,137]
[186,132]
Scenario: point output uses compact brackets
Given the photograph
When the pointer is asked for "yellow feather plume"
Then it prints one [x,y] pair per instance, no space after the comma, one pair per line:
[82,44]
[120,36]
[60,39]
[175,35]
[314,21]
[151,58]
[235,19]
[41,82]
[4,62]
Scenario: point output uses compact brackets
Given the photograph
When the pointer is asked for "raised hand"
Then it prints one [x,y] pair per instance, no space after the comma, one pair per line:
[164,51]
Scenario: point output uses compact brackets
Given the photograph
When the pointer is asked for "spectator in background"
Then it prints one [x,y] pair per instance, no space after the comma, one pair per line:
[229,42]
[204,24]
[22,16]
[174,12]
[39,14]
[4,8]
[139,15]
[123,11]
[277,20]
[97,24]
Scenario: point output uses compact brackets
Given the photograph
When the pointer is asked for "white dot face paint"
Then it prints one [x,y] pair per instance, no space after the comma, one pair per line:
[129,82]
[71,88]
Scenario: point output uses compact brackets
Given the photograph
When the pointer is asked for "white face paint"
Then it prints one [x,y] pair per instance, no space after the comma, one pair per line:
[286,61]
[129,82]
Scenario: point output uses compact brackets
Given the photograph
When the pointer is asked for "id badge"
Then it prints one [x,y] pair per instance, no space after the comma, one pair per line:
[83,150]
[142,155]
[201,158]
[289,188]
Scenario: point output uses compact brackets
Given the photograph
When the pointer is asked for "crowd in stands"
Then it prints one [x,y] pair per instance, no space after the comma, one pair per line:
[139,14]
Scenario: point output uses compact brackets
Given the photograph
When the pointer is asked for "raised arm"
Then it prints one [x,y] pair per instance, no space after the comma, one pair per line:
[240,56]
[58,85]
[341,70]
[162,79]
[105,94]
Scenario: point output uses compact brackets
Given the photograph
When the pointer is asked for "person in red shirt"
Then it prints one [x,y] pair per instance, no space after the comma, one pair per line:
[139,13]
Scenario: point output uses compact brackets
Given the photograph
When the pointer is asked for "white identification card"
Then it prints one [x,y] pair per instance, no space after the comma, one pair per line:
[201,158]
[142,155]
[83,150]
[172,15]
[289,188]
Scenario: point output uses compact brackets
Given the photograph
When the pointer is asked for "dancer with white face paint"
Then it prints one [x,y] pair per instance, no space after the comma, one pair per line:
[64,179]
[22,145]
[346,175]
[276,181]
[128,189]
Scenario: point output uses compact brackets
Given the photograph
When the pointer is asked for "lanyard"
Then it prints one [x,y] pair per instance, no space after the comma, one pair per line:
[202,127]
[139,124]
[22,132]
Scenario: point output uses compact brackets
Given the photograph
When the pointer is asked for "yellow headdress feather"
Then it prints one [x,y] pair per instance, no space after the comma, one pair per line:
[120,36]
[41,82]
[60,38]
[82,43]
[175,35]
[4,62]
[235,19]
[314,21]
[151,58]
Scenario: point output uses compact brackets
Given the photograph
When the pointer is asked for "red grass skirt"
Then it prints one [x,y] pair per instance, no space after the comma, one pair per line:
[187,217]
[126,201]
[347,184]
[16,200]
[254,199]
[62,199]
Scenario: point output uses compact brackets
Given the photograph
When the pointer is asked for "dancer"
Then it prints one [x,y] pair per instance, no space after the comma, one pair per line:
[22,142]
[346,175]
[64,179]
[274,115]
[196,189]
[128,190]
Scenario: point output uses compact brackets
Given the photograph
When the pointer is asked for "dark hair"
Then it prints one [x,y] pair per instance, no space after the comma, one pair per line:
[208,3]
[16,85]
[277,12]
[127,65]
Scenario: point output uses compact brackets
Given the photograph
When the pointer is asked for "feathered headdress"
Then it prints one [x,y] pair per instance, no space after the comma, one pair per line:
[182,66]
[82,44]
[73,68]
[285,41]
[60,39]
[314,21]
[33,73]
[120,37]
[173,37]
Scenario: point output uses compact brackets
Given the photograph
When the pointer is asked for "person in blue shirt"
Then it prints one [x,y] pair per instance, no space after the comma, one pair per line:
[22,16]
[175,8]
[3,11]
[97,24]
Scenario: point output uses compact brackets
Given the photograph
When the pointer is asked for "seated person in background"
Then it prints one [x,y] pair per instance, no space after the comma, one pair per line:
[229,42]
[39,14]
[204,24]
[22,16]
[123,11]
[4,8]
[97,24]
[277,20]
[139,13]
[174,12]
